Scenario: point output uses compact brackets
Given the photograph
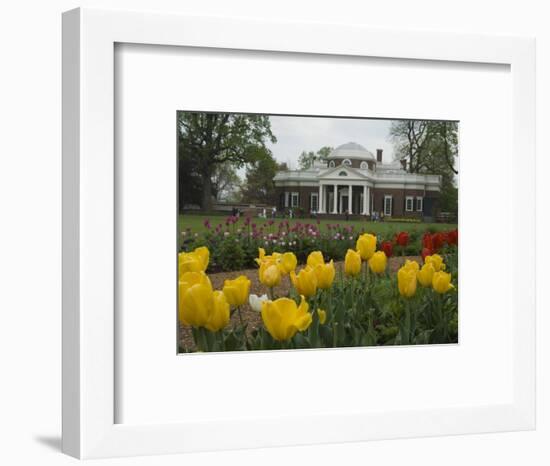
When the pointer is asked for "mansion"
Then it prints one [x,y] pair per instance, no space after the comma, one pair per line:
[353,182]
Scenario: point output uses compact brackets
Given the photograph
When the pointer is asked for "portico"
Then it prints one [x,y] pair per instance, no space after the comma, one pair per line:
[335,198]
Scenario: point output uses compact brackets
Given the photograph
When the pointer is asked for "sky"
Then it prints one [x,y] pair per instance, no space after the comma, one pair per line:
[296,134]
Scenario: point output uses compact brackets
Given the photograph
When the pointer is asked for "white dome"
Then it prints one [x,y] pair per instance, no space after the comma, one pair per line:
[352,151]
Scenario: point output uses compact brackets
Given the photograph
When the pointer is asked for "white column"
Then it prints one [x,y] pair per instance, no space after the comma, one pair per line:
[368,203]
[335,198]
[320,199]
[365,200]
[350,192]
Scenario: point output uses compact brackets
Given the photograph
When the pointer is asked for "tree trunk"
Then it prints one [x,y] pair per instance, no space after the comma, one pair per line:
[206,204]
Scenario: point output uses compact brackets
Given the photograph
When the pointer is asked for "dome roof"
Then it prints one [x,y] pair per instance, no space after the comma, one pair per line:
[351,150]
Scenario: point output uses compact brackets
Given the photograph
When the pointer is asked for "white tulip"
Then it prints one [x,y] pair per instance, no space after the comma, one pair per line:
[256,301]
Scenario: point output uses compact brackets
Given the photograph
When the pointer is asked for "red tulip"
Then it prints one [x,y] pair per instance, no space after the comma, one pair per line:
[427,241]
[402,239]
[387,247]
[438,240]
[452,237]
[426,252]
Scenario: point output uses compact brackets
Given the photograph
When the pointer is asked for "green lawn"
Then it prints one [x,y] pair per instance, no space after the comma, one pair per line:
[196,224]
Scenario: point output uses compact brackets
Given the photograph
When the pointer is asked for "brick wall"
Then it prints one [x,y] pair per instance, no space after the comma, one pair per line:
[398,197]
[304,193]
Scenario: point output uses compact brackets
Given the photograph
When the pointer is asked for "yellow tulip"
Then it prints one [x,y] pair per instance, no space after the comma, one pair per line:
[219,315]
[263,257]
[352,263]
[366,245]
[413,265]
[406,281]
[269,274]
[325,274]
[305,282]
[285,262]
[236,291]
[441,282]
[322,316]
[189,279]
[315,258]
[378,262]
[199,305]
[276,256]
[425,274]
[283,318]
[288,262]
[436,260]
[195,261]
[195,299]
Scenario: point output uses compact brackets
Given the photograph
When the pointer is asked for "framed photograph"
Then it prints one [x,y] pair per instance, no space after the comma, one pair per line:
[333,248]
[273,237]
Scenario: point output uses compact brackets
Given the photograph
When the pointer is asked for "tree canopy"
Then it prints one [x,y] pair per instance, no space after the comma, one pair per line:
[430,147]
[259,187]
[307,159]
[226,183]
[209,141]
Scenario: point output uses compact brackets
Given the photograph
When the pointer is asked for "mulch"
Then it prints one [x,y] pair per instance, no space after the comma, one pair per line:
[251,317]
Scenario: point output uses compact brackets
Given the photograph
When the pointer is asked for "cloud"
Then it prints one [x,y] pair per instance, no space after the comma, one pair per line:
[296,134]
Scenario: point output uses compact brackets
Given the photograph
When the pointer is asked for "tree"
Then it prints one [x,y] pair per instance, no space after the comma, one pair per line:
[426,145]
[208,140]
[259,187]
[307,159]
[430,147]
[226,183]
[189,180]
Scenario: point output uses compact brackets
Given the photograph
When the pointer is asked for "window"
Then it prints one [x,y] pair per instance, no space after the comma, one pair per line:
[295,200]
[388,205]
[343,174]
[409,200]
[364,165]
[314,202]
[346,162]
[331,164]
[419,204]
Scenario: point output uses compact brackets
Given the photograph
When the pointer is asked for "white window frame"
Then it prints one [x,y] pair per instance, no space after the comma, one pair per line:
[421,200]
[294,195]
[407,199]
[386,197]
[316,197]
[331,164]
[346,162]
[364,165]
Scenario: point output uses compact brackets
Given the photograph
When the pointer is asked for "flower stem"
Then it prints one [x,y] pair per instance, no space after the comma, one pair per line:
[243,327]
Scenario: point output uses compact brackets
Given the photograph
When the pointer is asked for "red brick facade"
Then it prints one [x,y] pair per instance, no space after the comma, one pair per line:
[424,203]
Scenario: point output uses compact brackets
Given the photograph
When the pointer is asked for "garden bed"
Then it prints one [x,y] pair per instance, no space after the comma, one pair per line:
[253,319]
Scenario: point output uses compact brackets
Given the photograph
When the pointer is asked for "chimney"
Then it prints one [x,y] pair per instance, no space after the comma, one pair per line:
[379,155]
[404,164]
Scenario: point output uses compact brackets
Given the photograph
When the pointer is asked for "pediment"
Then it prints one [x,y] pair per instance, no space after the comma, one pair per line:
[344,172]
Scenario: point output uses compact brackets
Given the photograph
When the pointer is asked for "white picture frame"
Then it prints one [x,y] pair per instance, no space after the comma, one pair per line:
[89,338]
